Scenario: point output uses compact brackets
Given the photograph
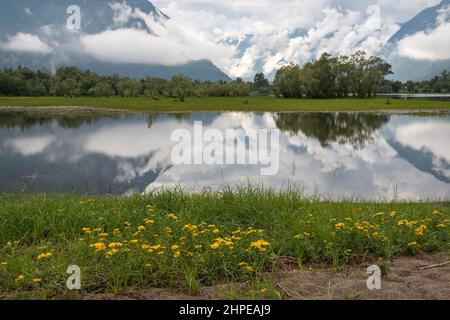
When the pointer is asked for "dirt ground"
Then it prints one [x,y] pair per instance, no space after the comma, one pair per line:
[406,280]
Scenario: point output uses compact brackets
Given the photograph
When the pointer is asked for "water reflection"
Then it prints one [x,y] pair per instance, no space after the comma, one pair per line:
[353,128]
[370,156]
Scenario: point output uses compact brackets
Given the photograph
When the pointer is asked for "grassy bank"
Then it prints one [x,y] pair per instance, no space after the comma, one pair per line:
[228,104]
[179,240]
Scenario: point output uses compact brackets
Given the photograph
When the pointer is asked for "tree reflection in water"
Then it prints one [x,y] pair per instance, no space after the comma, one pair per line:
[356,129]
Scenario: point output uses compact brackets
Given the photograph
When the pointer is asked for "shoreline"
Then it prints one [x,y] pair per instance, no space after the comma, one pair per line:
[211,104]
[100,111]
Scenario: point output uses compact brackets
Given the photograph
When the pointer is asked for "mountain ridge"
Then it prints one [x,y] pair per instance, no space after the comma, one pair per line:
[47,20]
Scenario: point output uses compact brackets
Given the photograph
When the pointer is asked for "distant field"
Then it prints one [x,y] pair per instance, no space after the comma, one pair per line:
[228,104]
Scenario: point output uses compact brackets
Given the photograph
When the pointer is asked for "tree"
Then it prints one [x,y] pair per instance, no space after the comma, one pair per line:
[288,82]
[260,81]
[128,87]
[180,87]
[102,89]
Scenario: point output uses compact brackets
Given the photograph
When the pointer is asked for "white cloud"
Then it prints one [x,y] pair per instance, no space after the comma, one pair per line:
[24,42]
[28,12]
[430,45]
[420,135]
[268,34]
[168,43]
[29,146]
[140,47]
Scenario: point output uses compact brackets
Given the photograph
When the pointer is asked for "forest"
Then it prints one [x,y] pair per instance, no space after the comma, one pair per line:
[356,75]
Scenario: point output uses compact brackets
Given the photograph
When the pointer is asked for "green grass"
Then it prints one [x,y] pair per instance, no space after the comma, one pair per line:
[190,240]
[228,104]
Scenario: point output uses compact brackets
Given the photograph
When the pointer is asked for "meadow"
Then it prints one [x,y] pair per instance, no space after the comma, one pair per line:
[181,240]
[249,104]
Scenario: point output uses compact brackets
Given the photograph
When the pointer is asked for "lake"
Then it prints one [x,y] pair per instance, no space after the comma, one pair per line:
[360,155]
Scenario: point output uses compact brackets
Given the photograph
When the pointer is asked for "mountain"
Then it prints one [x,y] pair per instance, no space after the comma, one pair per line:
[412,69]
[43,23]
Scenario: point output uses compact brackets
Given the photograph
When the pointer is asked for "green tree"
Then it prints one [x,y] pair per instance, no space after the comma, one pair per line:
[288,82]
[260,81]
[180,87]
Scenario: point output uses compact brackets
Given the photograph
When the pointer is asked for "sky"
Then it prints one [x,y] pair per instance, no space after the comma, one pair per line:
[266,34]
[243,37]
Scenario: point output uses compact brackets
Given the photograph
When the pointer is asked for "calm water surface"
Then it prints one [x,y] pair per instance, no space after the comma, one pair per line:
[368,156]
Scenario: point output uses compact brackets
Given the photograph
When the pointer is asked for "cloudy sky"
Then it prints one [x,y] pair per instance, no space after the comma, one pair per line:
[265,34]
[243,37]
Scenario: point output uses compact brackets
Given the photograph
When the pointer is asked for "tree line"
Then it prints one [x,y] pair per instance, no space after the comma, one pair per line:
[327,77]
[72,82]
[439,84]
[332,77]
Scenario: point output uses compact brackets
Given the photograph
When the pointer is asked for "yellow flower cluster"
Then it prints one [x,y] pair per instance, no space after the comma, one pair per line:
[44,256]
[260,245]
[420,230]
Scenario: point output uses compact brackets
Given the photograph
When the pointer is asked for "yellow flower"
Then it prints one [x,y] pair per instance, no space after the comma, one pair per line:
[115,245]
[420,230]
[134,241]
[103,235]
[172,216]
[215,231]
[249,269]
[263,290]
[149,208]
[36,280]
[242,264]
[198,247]
[3,263]
[436,213]
[141,228]
[260,244]
[175,247]
[379,214]
[127,224]
[215,245]
[441,225]
[412,244]
[99,246]
[111,253]
[190,228]
[148,221]
[20,277]
[43,256]
[87,230]
[177,253]
[339,225]
[393,214]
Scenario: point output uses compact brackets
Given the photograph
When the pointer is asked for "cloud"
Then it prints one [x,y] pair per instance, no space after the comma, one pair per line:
[268,34]
[420,135]
[30,146]
[430,45]
[24,42]
[164,42]
[140,47]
